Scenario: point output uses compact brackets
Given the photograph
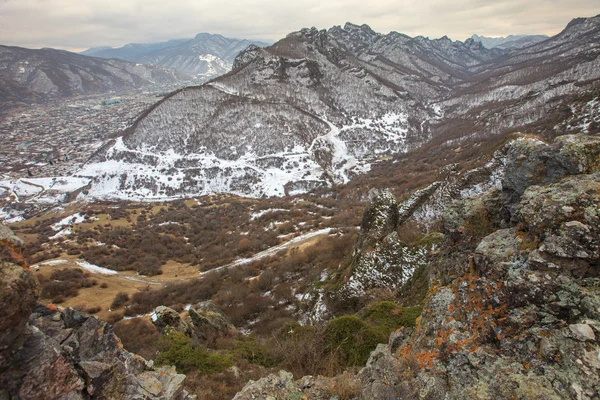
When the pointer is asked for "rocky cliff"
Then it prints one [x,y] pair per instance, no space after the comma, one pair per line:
[513,305]
[46,353]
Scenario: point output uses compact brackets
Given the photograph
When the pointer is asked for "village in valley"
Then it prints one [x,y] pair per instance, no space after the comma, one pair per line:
[56,138]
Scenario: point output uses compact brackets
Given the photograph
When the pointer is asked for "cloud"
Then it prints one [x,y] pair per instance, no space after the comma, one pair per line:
[79,24]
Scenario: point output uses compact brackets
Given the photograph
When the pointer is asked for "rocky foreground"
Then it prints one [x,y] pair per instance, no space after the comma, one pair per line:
[46,353]
[513,307]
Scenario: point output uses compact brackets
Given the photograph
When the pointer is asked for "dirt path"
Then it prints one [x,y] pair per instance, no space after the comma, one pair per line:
[273,250]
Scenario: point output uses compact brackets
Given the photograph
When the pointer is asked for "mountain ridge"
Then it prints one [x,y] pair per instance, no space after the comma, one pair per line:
[205,56]
[41,75]
[297,106]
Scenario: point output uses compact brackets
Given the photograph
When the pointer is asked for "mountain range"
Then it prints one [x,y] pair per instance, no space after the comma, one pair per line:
[509,42]
[319,107]
[205,56]
[28,76]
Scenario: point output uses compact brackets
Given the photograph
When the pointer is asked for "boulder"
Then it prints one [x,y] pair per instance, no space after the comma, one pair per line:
[165,318]
[9,236]
[208,320]
[564,218]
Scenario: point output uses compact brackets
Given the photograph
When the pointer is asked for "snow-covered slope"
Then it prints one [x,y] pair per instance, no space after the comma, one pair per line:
[318,107]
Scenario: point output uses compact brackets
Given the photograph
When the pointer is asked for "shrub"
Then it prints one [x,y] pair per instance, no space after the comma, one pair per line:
[178,350]
[352,338]
[385,317]
[344,387]
[114,317]
[253,352]
[302,351]
[138,335]
[120,299]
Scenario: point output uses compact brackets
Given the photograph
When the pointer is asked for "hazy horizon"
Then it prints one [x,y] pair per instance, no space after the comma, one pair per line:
[76,26]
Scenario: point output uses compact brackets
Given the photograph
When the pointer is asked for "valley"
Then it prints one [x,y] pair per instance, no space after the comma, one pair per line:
[343,214]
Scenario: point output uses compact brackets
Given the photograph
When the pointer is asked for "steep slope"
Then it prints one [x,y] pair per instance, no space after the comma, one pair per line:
[46,353]
[308,114]
[319,107]
[33,75]
[528,88]
[205,56]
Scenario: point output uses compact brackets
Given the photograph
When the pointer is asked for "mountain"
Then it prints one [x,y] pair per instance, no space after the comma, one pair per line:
[37,75]
[205,56]
[319,107]
[509,42]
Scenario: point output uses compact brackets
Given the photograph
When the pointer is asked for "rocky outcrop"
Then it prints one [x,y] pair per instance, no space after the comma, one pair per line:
[209,321]
[513,307]
[46,353]
[165,318]
[522,318]
[68,354]
[203,321]
[283,386]
[9,236]
[380,259]
[18,296]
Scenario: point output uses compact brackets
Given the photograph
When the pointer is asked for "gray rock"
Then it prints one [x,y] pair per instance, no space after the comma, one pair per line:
[582,332]
[379,220]
[208,320]
[18,294]
[165,318]
[7,234]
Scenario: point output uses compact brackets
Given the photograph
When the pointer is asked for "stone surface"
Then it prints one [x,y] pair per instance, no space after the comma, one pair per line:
[18,294]
[8,235]
[50,354]
[166,318]
[208,320]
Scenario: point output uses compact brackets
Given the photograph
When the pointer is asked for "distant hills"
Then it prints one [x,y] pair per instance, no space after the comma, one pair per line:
[28,76]
[205,56]
[509,42]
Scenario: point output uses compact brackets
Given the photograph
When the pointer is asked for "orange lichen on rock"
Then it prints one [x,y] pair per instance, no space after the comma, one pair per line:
[14,253]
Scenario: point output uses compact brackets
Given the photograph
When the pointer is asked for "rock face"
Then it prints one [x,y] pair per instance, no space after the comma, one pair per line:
[519,318]
[517,323]
[72,355]
[204,320]
[165,318]
[9,236]
[208,320]
[50,354]
[18,295]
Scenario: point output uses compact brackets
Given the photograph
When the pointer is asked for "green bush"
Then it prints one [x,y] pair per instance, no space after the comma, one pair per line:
[385,316]
[178,350]
[352,338]
[253,352]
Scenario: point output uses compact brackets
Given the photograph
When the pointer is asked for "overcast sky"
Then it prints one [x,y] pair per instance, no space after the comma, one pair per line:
[80,24]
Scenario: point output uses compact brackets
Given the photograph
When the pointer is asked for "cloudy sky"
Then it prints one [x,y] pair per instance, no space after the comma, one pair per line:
[80,24]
